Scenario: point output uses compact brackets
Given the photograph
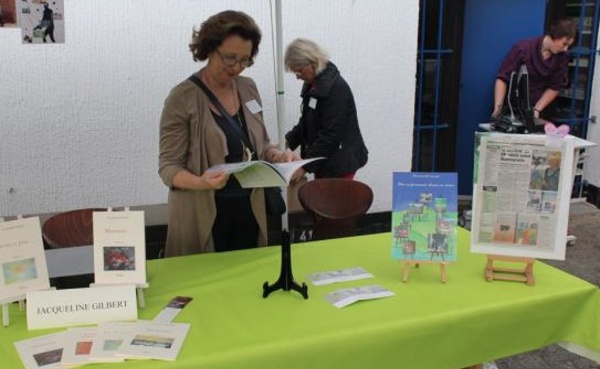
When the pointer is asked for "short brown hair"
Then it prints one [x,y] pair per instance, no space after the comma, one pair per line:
[218,27]
[565,27]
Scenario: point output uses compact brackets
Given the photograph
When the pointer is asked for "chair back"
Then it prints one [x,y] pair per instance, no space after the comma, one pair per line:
[335,205]
[69,229]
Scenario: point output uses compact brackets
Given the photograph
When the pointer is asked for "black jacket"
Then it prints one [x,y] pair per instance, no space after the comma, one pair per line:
[329,127]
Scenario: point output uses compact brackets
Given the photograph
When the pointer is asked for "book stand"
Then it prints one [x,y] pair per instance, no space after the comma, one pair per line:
[525,274]
[286,278]
[408,263]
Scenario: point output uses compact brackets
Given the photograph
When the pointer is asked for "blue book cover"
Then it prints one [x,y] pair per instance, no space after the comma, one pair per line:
[424,216]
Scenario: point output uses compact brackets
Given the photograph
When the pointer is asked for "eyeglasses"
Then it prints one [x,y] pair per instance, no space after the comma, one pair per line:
[231,60]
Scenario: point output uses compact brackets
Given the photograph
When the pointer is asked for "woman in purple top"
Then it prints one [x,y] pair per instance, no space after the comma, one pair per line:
[547,62]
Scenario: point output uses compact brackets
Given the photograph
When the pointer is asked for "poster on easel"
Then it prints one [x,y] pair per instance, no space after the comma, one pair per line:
[23,265]
[521,195]
[119,247]
[424,216]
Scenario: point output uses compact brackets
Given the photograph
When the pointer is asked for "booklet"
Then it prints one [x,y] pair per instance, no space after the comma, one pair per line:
[258,173]
[77,347]
[119,247]
[22,259]
[109,338]
[155,340]
[41,352]
[173,308]
[333,276]
[347,296]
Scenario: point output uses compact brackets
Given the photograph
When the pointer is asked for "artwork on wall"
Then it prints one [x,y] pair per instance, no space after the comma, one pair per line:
[8,14]
[41,21]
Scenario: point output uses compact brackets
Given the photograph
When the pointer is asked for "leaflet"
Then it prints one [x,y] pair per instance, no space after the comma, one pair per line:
[343,275]
[346,296]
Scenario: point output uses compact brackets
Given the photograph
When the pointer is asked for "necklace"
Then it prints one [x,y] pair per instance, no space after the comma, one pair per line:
[234,101]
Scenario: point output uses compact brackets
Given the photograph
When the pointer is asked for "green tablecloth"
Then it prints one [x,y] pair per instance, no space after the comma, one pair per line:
[427,324]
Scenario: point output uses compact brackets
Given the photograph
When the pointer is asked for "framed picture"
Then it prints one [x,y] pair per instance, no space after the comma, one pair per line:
[521,195]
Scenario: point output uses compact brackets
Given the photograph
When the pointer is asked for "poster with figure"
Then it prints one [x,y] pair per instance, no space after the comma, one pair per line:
[42,21]
[521,195]
[424,216]
[119,247]
[8,14]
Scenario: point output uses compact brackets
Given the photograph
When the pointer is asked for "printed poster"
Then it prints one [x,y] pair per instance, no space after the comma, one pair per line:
[42,21]
[521,195]
[424,216]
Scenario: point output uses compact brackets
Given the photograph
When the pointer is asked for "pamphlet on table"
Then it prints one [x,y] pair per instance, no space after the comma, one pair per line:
[346,296]
[343,275]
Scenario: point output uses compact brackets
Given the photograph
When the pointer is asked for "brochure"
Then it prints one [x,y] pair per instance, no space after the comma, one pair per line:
[424,216]
[155,340]
[346,296]
[23,265]
[258,173]
[77,346]
[173,308]
[109,338]
[119,247]
[333,276]
[41,352]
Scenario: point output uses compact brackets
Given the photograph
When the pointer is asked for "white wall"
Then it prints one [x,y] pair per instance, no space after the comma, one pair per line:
[79,120]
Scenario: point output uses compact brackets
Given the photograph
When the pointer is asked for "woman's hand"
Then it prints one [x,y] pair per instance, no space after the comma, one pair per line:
[298,175]
[278,156]
[213,180]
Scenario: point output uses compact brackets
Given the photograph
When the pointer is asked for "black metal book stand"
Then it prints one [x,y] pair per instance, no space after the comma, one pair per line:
[286,278]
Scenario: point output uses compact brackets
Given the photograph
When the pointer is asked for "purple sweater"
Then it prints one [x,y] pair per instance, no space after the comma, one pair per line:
[543,74]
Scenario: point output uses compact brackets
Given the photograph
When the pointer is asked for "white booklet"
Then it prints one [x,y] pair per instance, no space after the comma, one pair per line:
[260,173]
[333,276]
[155,340]
[77,347]
[42,351]
[347,296]
[23,265]
[119,247]
[108,340]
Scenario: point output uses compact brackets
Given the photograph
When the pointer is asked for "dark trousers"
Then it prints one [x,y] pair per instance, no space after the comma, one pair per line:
[235,227]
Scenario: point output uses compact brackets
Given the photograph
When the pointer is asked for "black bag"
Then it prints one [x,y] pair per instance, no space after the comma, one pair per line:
[274,202]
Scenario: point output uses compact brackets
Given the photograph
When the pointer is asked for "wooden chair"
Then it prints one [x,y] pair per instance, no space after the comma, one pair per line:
[335,205]
[70,229]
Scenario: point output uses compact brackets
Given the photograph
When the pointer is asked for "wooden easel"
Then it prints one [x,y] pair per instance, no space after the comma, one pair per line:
[407,264]
[525,274]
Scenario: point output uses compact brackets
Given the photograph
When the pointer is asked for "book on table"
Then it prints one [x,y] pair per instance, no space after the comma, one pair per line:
[258,173]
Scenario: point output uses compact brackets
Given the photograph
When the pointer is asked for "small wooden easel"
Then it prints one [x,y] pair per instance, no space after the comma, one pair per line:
[408,263]
[509,274]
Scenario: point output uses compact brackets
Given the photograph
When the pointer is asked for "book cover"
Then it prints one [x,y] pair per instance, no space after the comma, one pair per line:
[119,247]
[258,173]
[41,352]
[78,342]
[23,265]
[424,216]
[155,340]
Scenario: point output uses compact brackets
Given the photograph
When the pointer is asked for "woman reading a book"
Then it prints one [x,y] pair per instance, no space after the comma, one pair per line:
[328,126]
[209,211]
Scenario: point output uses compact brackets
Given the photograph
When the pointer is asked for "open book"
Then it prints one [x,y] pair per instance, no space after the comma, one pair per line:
[260,173]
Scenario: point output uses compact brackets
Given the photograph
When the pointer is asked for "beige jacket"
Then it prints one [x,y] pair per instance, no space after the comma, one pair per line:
[190,139]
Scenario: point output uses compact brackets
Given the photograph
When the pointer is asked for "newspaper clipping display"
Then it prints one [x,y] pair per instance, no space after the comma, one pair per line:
[521,194]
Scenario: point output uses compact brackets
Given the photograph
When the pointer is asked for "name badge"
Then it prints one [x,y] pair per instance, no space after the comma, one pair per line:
[312,103]
[253,106]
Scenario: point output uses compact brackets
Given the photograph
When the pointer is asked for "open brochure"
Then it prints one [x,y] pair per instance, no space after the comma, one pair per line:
[347,296]
[260,173]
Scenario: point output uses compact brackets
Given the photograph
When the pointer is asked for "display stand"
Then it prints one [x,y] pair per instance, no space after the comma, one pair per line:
[494,273]
[5,313]
[286,278]
[407,264]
